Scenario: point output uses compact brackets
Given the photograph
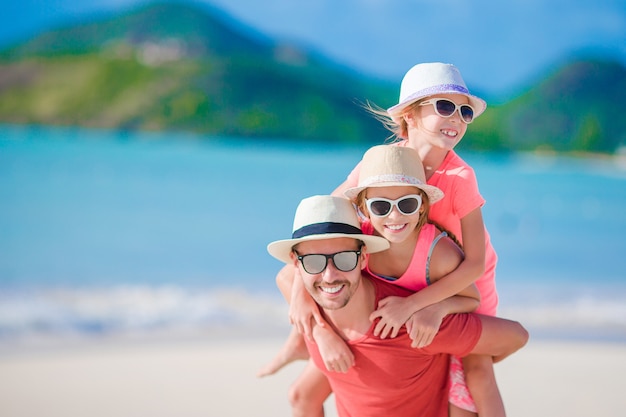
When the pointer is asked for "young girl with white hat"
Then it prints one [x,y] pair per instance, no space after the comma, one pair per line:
[432,115]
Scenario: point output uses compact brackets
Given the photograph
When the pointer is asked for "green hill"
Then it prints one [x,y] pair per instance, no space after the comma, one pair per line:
[180,67]
[192,68]
[579,108]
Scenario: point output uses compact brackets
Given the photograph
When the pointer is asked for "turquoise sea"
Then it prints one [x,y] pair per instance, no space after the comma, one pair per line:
[118,233]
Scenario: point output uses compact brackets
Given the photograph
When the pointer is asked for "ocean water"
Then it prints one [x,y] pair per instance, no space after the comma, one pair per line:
[116,233]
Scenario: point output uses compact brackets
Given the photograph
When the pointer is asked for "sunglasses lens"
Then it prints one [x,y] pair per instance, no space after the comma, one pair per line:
[314,264]
[467,113]
[380,207]
[345,261]
[445,108]
[409,205]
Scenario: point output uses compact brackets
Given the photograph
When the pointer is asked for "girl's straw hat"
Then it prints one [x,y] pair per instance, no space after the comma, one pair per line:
[390,165]
[324,217]
[430,79]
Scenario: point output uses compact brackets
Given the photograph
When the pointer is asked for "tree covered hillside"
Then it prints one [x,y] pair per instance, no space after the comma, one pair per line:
[192,68]
[578,108]
[174,66]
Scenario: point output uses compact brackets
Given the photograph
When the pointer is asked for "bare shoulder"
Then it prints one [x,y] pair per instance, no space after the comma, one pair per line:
[445,258]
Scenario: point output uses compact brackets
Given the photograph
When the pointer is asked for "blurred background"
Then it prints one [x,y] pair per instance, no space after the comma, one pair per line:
[149,151]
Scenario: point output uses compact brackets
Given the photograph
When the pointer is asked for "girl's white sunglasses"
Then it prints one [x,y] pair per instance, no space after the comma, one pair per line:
[381,207]
[446,108]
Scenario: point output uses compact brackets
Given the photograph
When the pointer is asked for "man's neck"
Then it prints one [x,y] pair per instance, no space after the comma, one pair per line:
[352,321]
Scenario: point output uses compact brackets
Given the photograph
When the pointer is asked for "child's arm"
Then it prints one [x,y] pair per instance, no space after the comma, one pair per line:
[343,187]
[394,312]
[468,271]
[305,315]
[351,181]
[334,351]
[424,324]
[303,310]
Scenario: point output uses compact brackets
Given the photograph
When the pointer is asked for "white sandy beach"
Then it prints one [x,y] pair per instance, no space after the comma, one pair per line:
[198,378]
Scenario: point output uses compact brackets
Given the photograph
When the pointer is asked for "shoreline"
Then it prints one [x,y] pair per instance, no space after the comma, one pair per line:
[262,331]
[216,376]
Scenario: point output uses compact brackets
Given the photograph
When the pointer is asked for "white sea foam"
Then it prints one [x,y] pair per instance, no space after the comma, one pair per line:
[137,310]
[132,309]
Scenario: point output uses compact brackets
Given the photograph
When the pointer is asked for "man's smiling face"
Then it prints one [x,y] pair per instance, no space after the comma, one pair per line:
[332,288]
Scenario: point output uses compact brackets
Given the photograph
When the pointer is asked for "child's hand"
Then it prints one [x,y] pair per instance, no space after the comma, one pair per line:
[334,351]
[393,313]
[423,326]
[303,310]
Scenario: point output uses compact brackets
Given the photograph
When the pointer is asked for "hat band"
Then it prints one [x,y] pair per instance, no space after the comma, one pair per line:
[439,89]
[405,179]
[325,228]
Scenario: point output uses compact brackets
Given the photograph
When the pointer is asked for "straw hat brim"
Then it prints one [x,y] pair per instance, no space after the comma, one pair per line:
[434,194]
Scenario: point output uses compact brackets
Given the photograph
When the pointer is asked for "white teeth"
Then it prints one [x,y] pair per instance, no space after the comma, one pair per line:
[331,290]
[394,226]
[450,133]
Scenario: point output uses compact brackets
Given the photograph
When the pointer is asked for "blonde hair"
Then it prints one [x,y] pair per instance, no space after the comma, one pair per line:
[398,127]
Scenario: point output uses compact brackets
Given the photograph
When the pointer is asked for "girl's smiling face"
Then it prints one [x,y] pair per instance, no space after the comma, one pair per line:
[437,131]
[396,226]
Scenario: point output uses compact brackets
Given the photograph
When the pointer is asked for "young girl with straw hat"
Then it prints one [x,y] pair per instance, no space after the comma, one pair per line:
[394,198]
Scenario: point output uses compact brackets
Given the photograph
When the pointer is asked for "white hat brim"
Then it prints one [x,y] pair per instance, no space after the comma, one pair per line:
[477,103]
[281,249]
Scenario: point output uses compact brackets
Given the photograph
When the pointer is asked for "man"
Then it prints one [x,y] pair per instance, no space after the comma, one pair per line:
[389,377]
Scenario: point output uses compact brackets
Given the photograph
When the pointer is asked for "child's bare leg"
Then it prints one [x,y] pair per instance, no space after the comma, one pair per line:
[461,402]
[308,393]
[481,382]
[454,411]
[293,349]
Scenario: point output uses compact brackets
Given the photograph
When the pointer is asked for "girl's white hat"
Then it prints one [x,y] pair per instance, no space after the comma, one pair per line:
[390,165]
[429,79]
[325,217]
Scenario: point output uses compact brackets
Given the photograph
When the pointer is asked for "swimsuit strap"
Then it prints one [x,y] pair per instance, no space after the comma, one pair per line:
[430,252]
